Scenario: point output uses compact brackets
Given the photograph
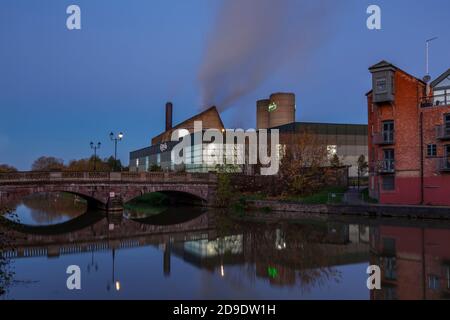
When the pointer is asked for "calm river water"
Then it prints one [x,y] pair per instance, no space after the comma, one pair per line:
[191,253]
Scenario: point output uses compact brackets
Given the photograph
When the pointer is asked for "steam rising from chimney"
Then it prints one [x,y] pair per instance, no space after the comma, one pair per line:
[252,39]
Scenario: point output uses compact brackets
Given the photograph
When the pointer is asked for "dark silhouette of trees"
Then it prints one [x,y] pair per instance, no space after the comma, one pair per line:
[47,164]
[4,168]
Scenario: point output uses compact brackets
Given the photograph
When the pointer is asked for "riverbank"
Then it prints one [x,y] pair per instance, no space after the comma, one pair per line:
[294,210]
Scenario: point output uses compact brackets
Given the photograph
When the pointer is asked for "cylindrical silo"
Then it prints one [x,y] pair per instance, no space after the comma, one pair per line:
[262,114]
[281,109]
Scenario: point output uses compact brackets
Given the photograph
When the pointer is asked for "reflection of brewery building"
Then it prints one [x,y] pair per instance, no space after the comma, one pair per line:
[348,141]
[278,255]
[414,262]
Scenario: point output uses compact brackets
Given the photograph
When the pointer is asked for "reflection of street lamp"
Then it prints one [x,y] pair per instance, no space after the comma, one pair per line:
[115,139]
[116,283]
[95,147]
[92,264]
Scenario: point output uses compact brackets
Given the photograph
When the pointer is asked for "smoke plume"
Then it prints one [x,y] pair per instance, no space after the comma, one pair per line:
[251,39]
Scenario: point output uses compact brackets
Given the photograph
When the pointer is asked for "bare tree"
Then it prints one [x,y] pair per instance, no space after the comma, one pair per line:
[301,159]
[362,168]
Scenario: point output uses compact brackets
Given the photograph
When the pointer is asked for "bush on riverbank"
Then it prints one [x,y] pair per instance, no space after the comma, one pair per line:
[320,197]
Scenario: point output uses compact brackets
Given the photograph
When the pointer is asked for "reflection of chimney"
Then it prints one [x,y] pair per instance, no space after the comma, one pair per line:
[166,266]
[169,111]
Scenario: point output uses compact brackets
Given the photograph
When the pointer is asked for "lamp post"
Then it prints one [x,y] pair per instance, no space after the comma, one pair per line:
[95,147]
[116,139]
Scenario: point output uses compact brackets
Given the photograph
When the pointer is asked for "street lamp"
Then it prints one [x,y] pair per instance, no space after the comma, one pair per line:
[95,147]
[115,139]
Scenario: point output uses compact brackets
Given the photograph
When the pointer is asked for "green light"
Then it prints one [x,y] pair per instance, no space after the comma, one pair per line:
[272,107]
[272,272]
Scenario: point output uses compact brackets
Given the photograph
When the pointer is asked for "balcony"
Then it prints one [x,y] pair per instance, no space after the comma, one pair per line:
[384,167]
[443,132]
[444,164]
[435,101]
[384,139]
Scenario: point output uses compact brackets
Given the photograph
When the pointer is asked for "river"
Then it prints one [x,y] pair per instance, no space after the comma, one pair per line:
[194,253]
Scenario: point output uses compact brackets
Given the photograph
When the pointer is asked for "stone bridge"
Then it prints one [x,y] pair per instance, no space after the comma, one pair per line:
[110,190]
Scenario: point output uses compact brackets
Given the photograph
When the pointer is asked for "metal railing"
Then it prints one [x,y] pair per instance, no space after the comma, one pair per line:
[383,167]
[29,177]
[435,101]
[442,132]
[443,164]
[384,138]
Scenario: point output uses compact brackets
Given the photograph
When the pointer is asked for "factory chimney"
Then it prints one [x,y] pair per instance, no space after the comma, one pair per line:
[169,111]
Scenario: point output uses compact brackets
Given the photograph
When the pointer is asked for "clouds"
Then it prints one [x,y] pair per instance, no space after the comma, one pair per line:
[252,39]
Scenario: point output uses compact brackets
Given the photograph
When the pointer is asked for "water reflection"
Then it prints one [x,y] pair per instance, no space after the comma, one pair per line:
[190,253]
[48,208]
[415,262]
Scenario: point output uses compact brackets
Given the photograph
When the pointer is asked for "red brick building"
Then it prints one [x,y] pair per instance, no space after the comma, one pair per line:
[409,137]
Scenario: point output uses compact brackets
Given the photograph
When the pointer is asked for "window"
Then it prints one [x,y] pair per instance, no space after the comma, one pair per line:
[389,160]
[441,97]
[389,183]
[389,247]
[388,131]
[447,124]
[448,277]
[431,150]
[390,267]
[381,85]
[433,282]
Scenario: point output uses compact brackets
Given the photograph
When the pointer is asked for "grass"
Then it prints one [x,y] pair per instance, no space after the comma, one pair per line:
[320,197]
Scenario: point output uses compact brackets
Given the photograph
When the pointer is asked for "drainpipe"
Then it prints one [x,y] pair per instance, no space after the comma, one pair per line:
[421,159]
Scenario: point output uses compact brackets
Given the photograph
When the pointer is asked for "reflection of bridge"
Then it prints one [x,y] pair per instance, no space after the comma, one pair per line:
[288,249]
[109,190]
[97,233]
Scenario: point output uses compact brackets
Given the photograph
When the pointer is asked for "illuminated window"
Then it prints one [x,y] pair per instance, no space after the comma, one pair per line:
[332,150]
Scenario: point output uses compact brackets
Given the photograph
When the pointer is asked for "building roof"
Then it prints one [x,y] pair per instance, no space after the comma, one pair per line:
[439,79]
[325,128]
[386,64]
[199,116]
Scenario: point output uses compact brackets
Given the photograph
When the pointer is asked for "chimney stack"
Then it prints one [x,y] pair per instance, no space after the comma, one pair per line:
[169,111]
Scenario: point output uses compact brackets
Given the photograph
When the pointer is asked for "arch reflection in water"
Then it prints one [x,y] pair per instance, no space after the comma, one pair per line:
[47,209]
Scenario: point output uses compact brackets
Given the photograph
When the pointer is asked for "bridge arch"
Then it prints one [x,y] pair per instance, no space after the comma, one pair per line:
[94,199]
[176,194]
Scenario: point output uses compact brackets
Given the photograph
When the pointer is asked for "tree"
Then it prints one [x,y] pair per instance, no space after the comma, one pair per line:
[47,164]
[88,165]
[225,191]
[6,272]
[300,164]
[4,168]
[362,167]
[114,165]
[155,168]
[335,162]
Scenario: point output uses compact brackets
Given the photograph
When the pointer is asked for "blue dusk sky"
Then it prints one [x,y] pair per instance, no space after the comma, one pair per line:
[61,89]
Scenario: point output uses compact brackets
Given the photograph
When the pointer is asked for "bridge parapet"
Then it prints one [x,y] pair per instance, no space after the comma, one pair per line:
[125,177]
